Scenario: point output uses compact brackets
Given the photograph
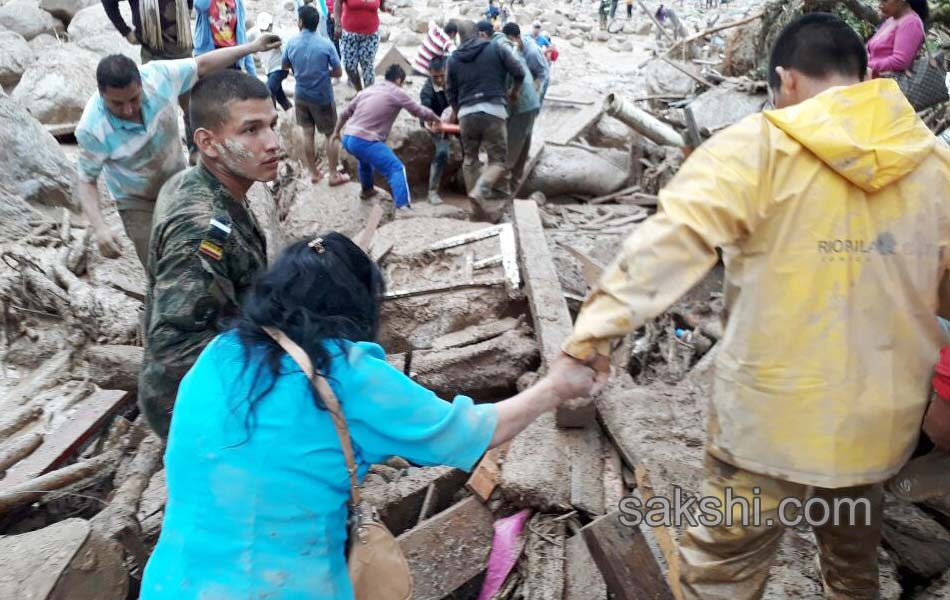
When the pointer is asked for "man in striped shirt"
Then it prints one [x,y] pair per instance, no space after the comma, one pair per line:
[440,41]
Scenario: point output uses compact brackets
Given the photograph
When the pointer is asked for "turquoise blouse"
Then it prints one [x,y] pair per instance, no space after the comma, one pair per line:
[260,511]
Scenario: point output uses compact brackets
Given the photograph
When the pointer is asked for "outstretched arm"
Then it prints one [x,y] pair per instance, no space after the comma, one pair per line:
[222,58]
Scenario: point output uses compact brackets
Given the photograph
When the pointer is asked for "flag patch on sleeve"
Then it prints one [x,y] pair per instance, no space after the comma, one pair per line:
[211,250]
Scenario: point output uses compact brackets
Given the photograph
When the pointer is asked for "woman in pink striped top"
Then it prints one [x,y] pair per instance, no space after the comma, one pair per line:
[895,44]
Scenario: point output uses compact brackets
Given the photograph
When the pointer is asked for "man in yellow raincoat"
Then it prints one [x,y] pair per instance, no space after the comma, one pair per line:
[833,217]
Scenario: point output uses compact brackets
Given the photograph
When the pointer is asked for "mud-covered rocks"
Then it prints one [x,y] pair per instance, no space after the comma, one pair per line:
[56,87]
[34,166]
[15,56]
[28,19]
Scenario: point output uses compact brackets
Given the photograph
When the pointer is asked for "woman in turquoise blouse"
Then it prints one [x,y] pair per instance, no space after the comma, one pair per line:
[257,484]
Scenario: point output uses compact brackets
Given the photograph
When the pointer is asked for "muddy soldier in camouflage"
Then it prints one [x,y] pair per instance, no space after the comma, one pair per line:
[206,246]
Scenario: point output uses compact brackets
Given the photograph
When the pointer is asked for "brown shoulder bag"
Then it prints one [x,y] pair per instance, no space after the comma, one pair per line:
[377,566]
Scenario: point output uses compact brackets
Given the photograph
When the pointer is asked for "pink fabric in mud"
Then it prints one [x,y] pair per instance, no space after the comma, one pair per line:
[505,549]
[896,43]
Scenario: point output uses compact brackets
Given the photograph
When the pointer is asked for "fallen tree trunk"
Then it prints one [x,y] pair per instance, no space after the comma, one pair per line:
[12,453]
[34,489]
[118,521]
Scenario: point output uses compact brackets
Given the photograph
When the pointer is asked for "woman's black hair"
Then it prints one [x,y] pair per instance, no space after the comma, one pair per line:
[312,296]
[921,8]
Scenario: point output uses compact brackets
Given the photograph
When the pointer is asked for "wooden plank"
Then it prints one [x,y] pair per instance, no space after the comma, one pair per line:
[91,414]
[534,156]
[475,333]
[365,238]
[552,319]
[575,126]
[582,578]
[400,502]
[485,477]
[544,557]
[624,558]
[448,550]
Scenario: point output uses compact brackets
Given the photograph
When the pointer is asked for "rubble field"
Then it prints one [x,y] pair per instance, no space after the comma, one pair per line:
[471,308]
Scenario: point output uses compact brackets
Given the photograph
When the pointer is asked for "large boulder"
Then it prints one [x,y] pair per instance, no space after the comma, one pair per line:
[57,86]
[724,106]
[15,57]
[34,166]
[15,216]
[44,43]
[413,145]
[28,19]
[571,170]
[93,21]
[664,79]
[109,43]
[65,10]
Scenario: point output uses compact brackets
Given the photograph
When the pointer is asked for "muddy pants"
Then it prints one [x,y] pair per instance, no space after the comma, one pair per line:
[439,160]
[519,131]
[732,563]
[137,219]
[481,130]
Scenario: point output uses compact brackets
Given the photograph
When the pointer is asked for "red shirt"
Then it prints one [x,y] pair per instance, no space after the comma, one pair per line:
[223,17]
[360,16]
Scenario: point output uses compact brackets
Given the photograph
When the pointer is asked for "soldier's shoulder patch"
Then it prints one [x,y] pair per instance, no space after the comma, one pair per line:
[219,230]
[211,250]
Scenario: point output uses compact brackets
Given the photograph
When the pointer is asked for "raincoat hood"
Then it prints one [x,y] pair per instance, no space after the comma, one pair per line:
[868,133]
[469,51]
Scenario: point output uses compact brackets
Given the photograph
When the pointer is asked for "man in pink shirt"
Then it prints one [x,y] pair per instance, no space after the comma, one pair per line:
[896,43]
[365,126]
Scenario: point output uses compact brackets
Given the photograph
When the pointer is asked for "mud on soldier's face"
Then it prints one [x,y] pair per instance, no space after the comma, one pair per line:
[247,143]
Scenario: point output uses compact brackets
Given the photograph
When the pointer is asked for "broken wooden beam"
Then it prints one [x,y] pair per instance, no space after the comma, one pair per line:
[582,578]
[89,415]
[400,502]
[466,238]
[574,126]
[396,294]
[544,558]
[475,333]
[625,560]
[449,549]
[552,319]
[484,478]
[365,237]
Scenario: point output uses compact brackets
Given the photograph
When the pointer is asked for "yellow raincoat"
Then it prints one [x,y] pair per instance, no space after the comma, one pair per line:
[833,217]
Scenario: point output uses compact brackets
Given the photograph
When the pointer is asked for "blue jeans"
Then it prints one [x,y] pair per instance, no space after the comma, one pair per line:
[274,81]
[376,156]
[439,159]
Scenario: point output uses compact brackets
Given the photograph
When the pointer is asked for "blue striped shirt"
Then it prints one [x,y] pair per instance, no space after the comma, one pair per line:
[136,159]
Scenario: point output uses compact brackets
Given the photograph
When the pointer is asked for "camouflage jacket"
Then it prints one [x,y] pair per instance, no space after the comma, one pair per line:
[205,251]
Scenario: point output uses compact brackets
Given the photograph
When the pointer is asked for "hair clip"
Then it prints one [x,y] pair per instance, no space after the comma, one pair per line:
[317,245]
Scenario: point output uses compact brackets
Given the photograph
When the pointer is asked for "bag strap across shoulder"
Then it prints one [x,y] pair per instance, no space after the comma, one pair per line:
[330,399]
